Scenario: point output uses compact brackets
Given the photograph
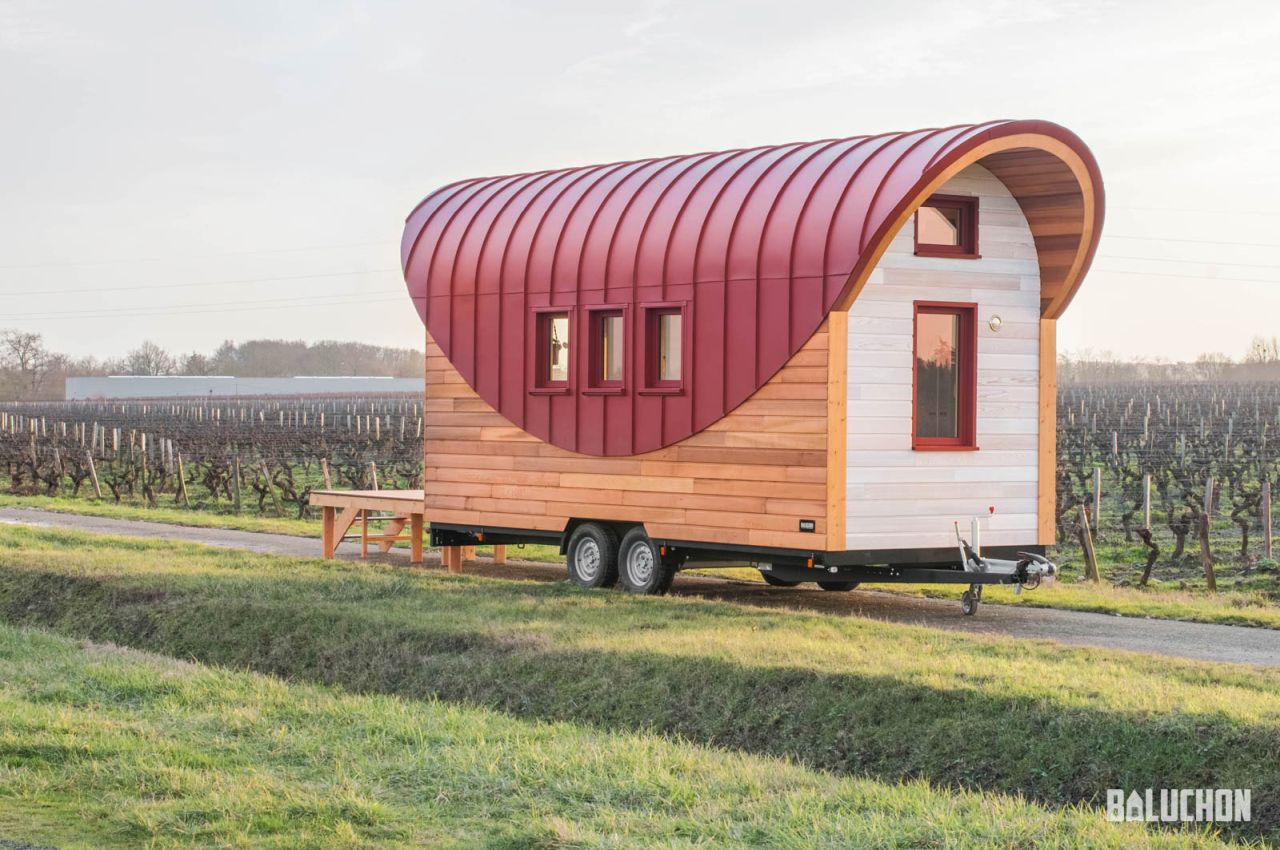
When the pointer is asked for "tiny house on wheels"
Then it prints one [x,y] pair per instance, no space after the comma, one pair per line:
[830,360]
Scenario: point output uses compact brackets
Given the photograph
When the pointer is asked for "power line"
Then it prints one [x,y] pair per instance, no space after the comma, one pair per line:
[232,281]
[1193,210]
[107,262]
[215,307]
[1193,241]
[1188,262]
[1204,277]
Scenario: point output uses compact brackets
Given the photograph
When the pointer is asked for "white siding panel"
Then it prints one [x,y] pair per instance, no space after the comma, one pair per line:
[900,498]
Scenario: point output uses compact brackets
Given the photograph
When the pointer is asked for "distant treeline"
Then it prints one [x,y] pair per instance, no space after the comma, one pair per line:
[30,371]
[1260,363]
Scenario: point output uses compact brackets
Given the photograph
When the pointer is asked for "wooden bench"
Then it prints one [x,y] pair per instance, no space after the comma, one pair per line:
[397,509]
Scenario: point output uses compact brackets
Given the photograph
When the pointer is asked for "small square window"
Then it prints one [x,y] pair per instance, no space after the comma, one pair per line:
[608,350]
[553,349]
[947,226]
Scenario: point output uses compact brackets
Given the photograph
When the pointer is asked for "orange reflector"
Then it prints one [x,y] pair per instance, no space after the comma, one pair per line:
[811,563]
[662,550]
[480,537]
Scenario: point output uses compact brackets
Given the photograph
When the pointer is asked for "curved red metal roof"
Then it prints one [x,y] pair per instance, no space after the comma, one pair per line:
[758,244]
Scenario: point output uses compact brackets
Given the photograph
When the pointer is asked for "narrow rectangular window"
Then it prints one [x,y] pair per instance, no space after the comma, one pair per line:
[947,226]
[553,349]
[611,347]
[944,379]
[607,349]
[669,331]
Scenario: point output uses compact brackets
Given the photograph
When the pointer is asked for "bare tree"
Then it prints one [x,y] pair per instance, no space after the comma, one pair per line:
[150,359]
[25,353]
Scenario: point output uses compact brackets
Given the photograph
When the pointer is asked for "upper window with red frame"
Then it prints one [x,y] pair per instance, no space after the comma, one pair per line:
[944,376]
[947,226]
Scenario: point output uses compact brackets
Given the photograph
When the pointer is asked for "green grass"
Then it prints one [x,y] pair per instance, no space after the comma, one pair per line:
[1241,601]
[1244,601]
[209,517]
[837,698]
[104,747]
[205,517]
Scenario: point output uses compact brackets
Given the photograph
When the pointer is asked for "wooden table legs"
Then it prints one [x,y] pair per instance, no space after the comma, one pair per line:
[415,538]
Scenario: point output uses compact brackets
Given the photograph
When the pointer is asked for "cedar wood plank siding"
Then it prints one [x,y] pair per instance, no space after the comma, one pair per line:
[748,479]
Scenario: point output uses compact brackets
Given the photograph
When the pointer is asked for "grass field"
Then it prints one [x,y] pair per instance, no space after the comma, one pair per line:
[1244,601]
[854,714]
[104,747]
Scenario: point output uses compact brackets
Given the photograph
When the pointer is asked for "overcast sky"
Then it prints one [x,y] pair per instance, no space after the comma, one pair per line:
[193,172]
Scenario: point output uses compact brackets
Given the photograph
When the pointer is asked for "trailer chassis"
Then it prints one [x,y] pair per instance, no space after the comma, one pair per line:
[1021,567]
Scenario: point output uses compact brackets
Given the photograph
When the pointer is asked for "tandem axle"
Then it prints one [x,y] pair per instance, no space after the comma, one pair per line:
[601,554]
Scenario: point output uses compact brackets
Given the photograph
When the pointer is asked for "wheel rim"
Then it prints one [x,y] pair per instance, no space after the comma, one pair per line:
[640,564]
[586,559]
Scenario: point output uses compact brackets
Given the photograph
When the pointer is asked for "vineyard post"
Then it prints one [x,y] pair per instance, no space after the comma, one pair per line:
[373,474]
[1086,544]
[57,467]
[1097,500]
[182,482]
[235,481]
[1266,519]
[1206,556]
[93,475]
[1146,500]
[324,468]
[275,500]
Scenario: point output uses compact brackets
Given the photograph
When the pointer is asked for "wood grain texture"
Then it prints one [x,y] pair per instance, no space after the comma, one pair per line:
[1047,497]
[897,497]
[747,480]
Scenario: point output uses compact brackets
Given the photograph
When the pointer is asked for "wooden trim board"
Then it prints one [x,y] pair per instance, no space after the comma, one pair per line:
[1047,471]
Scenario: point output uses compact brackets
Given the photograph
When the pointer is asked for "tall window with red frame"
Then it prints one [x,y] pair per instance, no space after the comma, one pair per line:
[944,382]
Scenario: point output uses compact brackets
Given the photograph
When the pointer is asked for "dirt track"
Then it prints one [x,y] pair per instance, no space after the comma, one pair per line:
[1165,637]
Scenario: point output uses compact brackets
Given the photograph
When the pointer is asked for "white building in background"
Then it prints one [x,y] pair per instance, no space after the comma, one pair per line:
[184,386]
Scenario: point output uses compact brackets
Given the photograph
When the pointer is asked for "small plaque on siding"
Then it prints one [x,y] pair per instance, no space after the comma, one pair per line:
[808,525]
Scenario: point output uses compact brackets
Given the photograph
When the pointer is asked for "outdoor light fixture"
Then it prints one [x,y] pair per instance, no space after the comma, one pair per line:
[994,323]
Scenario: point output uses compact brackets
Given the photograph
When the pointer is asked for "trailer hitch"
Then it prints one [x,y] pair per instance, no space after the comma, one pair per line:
[1026,572]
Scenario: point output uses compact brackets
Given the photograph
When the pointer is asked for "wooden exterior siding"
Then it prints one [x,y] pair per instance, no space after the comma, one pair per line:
[748,479]
[900,498]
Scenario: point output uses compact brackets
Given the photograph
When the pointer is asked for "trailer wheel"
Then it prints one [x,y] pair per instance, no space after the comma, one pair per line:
[773,581]
[837,586]
[969,603]
[592,555]
[642,567]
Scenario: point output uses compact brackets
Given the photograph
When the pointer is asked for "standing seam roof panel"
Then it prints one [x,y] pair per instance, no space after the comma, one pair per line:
[758,245]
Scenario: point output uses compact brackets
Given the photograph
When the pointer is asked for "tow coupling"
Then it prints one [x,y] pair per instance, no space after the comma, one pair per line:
[1026,572]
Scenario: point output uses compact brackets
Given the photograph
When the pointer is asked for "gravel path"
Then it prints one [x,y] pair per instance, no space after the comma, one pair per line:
[1203,641]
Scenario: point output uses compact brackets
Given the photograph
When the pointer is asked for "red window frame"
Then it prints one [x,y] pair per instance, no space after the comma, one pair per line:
[967,206]
[596,382]
[966,438]
[542,383]
[653,385]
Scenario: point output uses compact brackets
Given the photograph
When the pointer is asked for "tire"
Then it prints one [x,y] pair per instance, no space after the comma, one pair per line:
[968,603]
[592,556]
[838,586]
[641,567]
[773,581]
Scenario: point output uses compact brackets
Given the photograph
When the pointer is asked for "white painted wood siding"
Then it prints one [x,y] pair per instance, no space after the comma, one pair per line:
[900,498]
